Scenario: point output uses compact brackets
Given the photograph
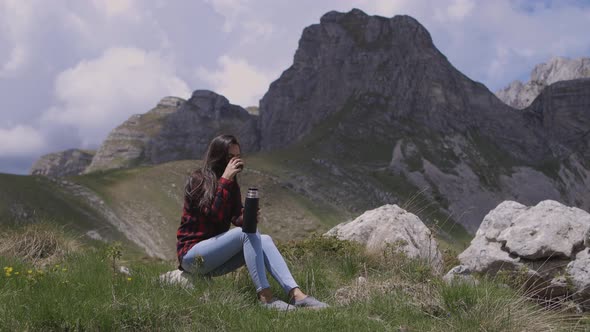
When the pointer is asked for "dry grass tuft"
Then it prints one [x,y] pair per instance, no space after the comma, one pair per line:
[40,244]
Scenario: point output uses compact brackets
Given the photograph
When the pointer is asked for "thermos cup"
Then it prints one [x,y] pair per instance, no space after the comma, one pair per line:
[250,211]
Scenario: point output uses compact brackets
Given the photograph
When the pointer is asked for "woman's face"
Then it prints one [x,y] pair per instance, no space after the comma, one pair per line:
[233,151]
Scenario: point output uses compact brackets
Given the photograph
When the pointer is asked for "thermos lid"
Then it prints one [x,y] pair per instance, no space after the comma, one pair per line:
[252,192]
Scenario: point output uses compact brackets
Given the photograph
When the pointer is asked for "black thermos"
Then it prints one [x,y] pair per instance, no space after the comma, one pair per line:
[250,211]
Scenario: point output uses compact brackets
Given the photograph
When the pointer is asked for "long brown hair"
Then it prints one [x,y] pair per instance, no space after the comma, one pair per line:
[202,183]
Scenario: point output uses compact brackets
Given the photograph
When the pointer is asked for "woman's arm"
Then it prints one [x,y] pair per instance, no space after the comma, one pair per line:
[221,200]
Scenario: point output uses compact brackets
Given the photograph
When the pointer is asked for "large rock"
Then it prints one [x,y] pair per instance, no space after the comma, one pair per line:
[520,95]
[64,163]
[579,273]
[487,256]
[544,243]
[186,133]
[175,130]
[126,145]
[548,230]
[390,224]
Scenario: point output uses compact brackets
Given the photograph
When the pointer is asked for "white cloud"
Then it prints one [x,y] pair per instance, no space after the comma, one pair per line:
[386,8]
[115,7]
[97,95]
[231,10]
[458,9]
[238,81]
[455,10]
[20,141]
[16,18]
[18,57]
[255,31]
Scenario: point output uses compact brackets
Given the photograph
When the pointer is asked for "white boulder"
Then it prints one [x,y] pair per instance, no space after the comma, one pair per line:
[177,277]
[390,224]
[544,243]
[579,273]
[549,229]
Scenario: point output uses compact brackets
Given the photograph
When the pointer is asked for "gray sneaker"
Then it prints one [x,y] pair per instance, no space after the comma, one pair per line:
[276,304]
[309,302]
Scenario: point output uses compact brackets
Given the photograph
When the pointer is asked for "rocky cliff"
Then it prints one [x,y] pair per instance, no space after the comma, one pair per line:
[520,95]
[63,163]
[374,96]
[175,130]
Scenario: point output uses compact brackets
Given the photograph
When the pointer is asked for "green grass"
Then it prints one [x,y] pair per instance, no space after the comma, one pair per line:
[27,199]
[81,292]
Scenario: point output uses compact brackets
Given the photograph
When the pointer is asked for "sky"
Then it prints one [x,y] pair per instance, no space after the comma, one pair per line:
[71,70]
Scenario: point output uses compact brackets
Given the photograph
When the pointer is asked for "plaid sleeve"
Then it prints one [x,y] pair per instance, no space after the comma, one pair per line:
[222,200]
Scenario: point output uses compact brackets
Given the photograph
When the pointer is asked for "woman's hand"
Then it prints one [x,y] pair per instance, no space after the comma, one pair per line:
[234,167]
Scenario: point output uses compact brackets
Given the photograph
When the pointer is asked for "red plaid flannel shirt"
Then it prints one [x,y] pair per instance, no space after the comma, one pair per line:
[197,225]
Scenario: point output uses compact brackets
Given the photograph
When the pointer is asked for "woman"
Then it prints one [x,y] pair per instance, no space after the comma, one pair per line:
[208,247]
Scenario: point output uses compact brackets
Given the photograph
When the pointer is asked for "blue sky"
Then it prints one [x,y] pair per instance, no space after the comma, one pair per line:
[70,71]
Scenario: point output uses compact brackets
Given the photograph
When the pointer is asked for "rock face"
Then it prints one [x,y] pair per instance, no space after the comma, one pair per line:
[383,71]
[126,145]
[392,225]
[579,272]
[520,95]
[374,93]
[564,112]
[186,133]
[64,163]
[175,130]
[543,242]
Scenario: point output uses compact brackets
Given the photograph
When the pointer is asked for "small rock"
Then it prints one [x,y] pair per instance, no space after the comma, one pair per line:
[124,270]
[460,274]
[93,234]
[177,277]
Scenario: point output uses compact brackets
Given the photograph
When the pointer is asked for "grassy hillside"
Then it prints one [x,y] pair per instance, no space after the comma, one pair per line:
[81,291]
[28,199]
[147,202]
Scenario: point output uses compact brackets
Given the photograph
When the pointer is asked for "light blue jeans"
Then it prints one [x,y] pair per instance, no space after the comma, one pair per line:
[228,251]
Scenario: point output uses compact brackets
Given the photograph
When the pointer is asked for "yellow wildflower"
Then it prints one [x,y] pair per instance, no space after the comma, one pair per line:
[30,271]
[64,269]
[16,273]
[8,269]
[129,279]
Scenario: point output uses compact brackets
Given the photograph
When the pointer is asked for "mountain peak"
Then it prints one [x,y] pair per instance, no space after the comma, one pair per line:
[336,16]
[373,31]
[520,95]
[170,101]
